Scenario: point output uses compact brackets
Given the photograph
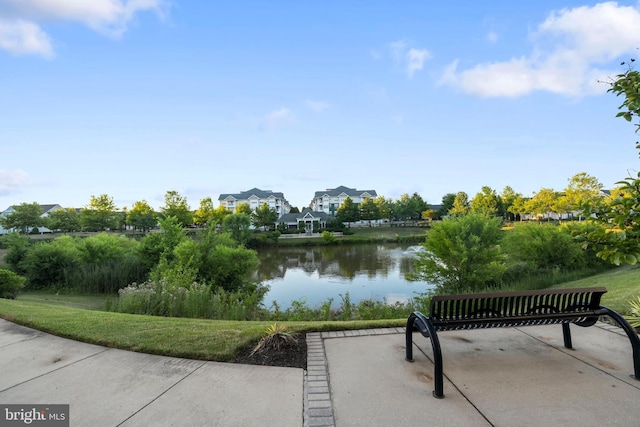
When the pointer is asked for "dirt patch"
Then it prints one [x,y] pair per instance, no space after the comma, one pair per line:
[291,356]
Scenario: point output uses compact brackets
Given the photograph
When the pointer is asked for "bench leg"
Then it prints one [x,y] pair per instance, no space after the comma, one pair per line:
[633,337]
[408,338]
[427,330]
[438,380]
[566,333]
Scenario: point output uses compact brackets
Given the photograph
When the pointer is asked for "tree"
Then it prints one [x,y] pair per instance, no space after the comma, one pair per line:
[429,214]
[294,210]
[244,208]
[542,203]
[24,217]
[172,235]
[204,212]
[141,216]
[508,198]
[517,207]
[402,208]
[348,212]
[582,190]
[617,240]
[462,254]
[238,225]
[369,210]
[385,207]
[99,214]
[562,206]
[460,204]
[446,205]
[486,202]
[176,205]
[264,217]
[65,220]
[218,215]
[416,206]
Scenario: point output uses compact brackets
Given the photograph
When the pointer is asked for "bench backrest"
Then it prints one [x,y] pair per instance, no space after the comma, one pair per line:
[514,306]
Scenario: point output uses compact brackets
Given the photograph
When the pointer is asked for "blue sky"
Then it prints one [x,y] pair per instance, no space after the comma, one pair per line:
[135,98]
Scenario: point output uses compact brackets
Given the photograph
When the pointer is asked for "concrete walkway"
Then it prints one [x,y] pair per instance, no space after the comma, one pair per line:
[499,377]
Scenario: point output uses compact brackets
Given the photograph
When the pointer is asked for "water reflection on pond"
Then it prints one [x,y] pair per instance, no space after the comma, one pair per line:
[371,271]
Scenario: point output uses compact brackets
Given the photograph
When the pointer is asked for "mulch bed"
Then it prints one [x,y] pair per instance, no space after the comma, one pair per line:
[292,356]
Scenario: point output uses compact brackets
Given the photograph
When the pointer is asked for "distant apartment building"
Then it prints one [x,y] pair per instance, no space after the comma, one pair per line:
[329,200]
[46,209]
[255,198]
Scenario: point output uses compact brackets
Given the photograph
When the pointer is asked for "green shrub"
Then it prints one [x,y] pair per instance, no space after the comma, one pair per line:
[368,309]
[150,250]
[103,248]
[299,310]
[462,254]
[544,247]
[517,271]
[328,237]
[45,263]
[18,246]
[10,284]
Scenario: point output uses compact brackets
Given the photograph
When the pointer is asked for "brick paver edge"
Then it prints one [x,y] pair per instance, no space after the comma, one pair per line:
[318,405]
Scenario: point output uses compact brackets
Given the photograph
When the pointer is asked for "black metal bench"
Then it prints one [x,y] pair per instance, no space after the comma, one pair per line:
[508,309]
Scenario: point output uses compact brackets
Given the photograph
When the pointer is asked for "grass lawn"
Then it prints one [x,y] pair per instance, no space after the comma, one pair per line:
[191,338]
[622,283]
[387,232]
[88,302]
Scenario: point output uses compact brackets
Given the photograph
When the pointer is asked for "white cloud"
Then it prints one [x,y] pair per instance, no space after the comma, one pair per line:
[317,106]
[20,37]
[11,180]
[492,37]
[569,50]
[409,58]
[277,118]
[415,60]
[26,17]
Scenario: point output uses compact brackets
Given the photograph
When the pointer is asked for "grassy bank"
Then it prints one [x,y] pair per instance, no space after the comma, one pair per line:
[78,317]
[190,338]
[87,302]
[382,234]
[622,283]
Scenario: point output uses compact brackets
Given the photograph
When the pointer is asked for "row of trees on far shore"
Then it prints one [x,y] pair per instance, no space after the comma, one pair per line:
[102,214]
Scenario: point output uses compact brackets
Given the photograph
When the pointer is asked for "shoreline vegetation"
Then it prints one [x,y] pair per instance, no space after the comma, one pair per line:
[82,317]
[79,318]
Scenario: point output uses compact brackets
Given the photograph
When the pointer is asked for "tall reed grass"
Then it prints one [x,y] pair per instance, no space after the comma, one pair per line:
[159,298]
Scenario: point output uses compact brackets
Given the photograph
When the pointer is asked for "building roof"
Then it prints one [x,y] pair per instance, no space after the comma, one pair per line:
[306,213]
[43,208]
[246,195]
[351,192]
[47,208]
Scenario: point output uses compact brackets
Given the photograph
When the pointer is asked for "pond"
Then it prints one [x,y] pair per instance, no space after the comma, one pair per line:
[315,274]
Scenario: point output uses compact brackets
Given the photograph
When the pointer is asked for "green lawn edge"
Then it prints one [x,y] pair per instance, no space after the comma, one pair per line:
[215,340]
